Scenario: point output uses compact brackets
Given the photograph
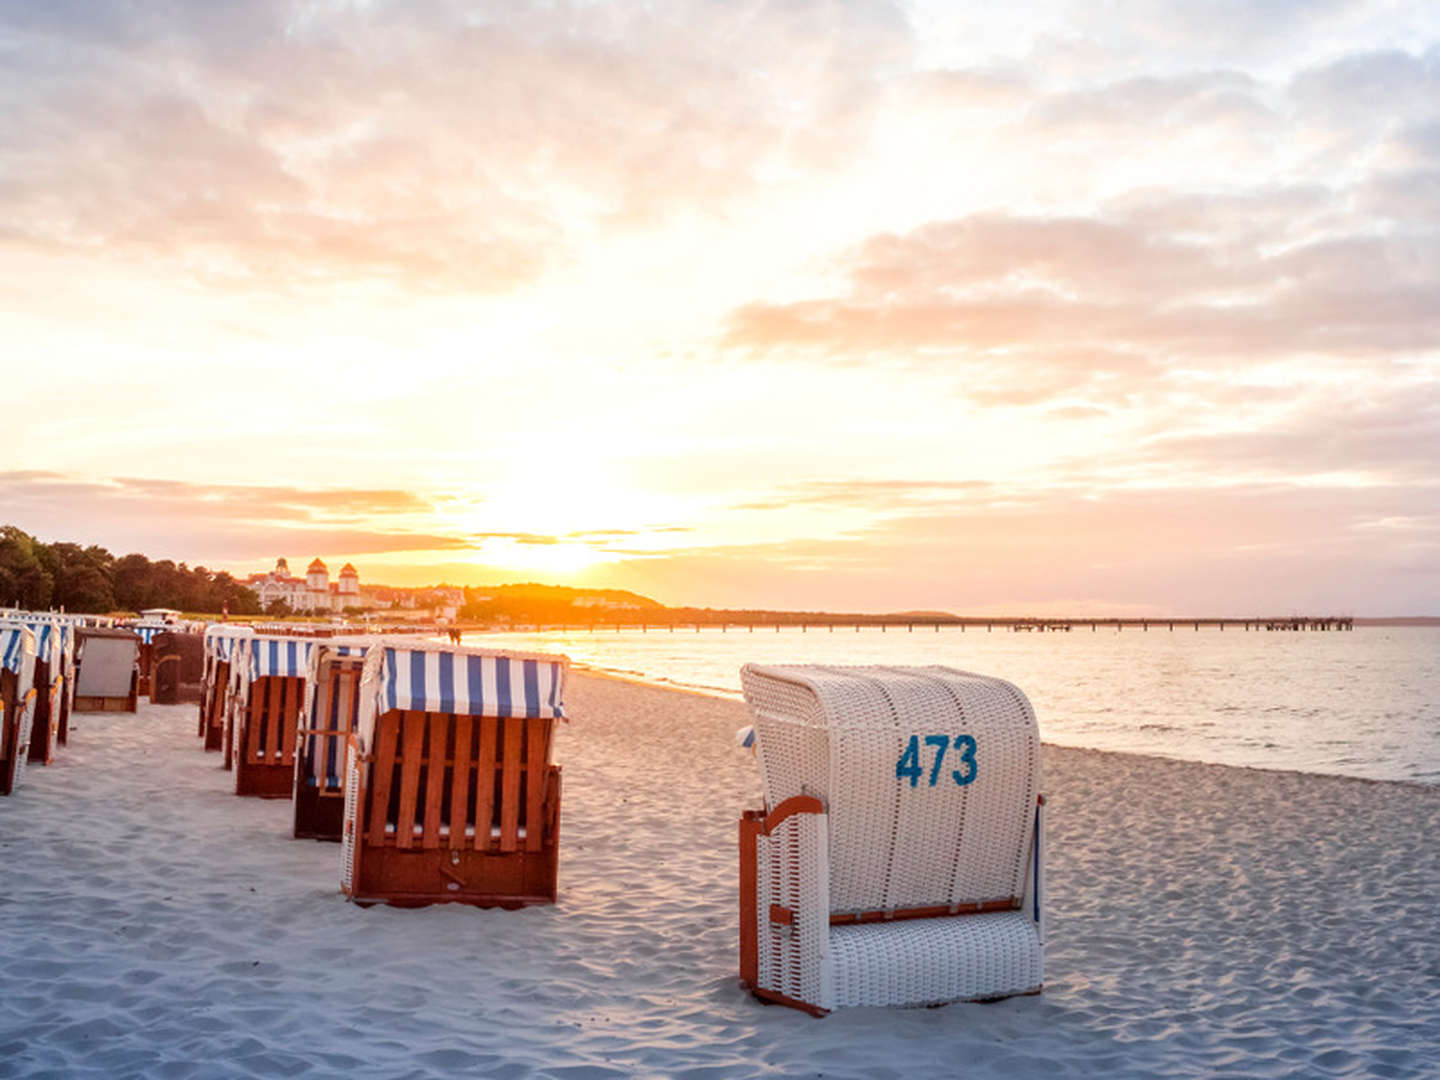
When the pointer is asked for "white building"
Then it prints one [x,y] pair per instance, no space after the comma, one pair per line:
[314,593]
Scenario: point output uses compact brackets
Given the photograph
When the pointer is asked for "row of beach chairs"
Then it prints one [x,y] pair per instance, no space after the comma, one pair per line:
[54,664]
[37,679]
[430,764]
[897,860]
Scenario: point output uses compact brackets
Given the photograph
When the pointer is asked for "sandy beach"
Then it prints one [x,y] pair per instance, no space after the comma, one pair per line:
[1204,921]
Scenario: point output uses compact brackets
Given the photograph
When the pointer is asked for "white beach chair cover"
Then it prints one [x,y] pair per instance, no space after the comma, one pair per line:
[840,733]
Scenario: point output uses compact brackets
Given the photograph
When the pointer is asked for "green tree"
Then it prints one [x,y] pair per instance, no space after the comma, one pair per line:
[81,577]
[24,578]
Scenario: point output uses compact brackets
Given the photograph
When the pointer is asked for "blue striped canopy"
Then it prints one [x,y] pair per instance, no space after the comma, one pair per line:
[147,633]
[220,639]
[46,636]
[278,656]
[16,642]
[470,683]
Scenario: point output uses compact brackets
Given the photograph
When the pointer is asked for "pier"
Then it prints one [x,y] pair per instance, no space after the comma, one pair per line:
[774,622]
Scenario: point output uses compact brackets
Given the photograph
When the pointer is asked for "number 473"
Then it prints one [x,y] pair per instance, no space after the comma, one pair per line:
[908,767]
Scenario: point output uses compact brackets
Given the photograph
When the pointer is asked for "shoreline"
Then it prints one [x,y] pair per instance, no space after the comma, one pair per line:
[632,679]
[1203,920]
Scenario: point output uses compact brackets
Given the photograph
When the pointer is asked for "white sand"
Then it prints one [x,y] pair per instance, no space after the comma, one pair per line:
[1204,921]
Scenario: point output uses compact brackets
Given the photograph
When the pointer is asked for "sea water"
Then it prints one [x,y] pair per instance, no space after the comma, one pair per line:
[1363,703]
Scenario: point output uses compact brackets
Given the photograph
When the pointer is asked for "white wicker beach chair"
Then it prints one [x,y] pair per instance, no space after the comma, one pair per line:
[898,858]
[48,682]
[17,702]
[216,682]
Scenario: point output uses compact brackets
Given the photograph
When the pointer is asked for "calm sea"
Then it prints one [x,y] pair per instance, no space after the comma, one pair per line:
[1360,703]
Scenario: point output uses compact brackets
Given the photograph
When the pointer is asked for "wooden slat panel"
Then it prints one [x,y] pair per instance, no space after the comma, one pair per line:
[345,685]
[535,762]
[461,780]
[291,718]
[435,778]
[386,730]
[270,743]
[252,748]
[412,750]
[511,766]
[485,782]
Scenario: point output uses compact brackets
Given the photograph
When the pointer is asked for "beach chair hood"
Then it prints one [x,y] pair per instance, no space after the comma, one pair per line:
[431,677]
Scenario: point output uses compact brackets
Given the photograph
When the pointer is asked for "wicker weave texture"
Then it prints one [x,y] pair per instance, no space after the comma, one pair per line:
[894,841]
[928,961]
[792,876]
[351,822]
[22,737]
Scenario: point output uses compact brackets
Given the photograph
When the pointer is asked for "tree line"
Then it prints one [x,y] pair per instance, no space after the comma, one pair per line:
[38,577]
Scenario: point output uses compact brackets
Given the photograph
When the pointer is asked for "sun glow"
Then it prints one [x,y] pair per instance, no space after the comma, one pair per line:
[541,555]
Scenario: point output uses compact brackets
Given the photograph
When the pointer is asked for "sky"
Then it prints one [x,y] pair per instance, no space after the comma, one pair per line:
[1032,308]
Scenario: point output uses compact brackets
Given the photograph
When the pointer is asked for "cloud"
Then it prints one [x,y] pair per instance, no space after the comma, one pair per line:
[430,144]
[872,495]
[210,522]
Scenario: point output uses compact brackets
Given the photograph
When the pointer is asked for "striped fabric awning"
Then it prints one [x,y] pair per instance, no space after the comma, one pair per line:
[278,656]
[220,640]
[147,633]
[47,636]
[16,642]
[471,683]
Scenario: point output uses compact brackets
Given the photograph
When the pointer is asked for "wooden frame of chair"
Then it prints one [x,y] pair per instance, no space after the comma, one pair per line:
[67,694]
[146,668]
[482,828]
[45,726]
[324,730]
[263,736]
[214,707]
[15,709]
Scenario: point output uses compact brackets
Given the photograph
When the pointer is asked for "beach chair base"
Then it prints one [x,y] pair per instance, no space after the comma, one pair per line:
[263,781]
[1009,949]
[418,876]
[106,704]
[448,876]
[318,816]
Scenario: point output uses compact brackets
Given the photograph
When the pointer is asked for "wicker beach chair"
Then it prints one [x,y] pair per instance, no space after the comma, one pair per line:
[332,704]
[898,858]
[48,682]
[66,660]
[17,702]
[215,682]
[107,677]
[179,667]
[450,793]
[147,632]
[267,694]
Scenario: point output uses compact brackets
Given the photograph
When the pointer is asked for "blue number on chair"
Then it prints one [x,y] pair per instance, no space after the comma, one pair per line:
[966,745]
[909,764]
[941,743]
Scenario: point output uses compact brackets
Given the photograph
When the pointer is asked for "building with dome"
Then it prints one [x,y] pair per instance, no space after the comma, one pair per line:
[313,594]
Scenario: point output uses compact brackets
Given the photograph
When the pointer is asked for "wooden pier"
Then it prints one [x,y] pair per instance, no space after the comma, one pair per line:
[776,621]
